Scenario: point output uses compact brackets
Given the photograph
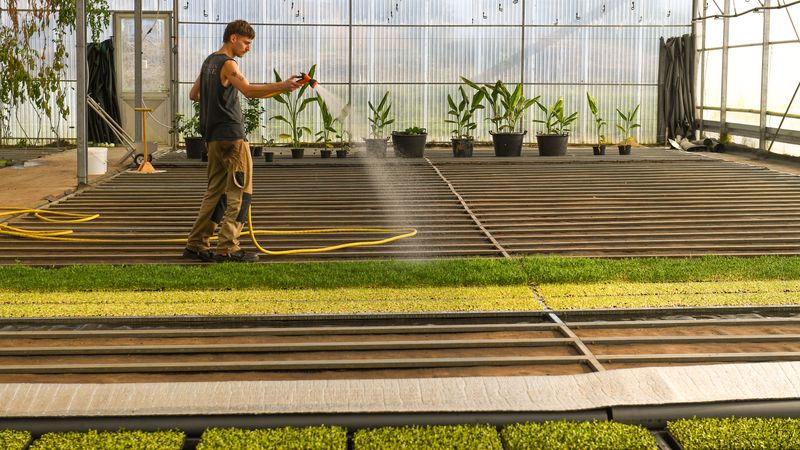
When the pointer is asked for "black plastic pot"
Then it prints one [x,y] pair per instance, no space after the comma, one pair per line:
[204,156]
[297,153]
[599,150]
[508,144]
[269,156]
[552,144]
[409,145]
[341,153]
[462,148]
[624,149]
[195,147]
[376,148]
[324,153]
[256,151]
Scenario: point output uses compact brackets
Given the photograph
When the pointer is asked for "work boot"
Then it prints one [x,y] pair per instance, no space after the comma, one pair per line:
[201,255]
[237,256]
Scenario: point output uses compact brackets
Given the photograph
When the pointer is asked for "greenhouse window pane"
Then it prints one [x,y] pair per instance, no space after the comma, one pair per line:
[782,23]
[712,94]
[783,77]
[743,118]
[747,28]
[744,78]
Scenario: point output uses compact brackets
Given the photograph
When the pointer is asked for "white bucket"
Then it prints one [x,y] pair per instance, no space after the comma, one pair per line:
[98,160]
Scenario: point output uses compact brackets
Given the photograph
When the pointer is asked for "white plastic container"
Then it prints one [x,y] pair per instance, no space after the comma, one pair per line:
[98,160]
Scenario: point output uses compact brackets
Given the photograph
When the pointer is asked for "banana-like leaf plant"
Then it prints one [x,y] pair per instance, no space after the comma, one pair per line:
[464,113]
[505,107]
[556,122]
[628,124]
[295,104]
[379,117]
[599,122]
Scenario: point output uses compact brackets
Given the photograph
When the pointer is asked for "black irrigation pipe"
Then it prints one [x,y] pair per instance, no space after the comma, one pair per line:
[194,425]
[653,417]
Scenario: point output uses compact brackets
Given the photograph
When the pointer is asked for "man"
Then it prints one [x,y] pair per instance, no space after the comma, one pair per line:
[230,167]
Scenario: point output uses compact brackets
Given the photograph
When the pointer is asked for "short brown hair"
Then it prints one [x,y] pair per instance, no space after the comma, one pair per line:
[240,27]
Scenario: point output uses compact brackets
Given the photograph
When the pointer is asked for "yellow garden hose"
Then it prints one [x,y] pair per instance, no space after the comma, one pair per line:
[58,235]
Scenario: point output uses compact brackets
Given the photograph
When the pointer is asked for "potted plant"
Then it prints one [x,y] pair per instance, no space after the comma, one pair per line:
[269,155]
[599,123]
[344,144]
[252,120]
[330,130]
[190,130]
[295,105]
[506,110]
[464,112]
[553,142]
[626,127]
[410,143]
[378,120]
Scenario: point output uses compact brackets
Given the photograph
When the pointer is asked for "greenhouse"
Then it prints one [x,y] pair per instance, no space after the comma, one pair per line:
[352,224]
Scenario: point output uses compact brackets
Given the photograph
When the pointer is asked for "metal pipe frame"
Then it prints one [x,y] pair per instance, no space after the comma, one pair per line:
[754,131]
[723,114]
[80,107]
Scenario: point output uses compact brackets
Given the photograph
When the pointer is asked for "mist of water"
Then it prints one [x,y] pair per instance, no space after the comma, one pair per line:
[389,180]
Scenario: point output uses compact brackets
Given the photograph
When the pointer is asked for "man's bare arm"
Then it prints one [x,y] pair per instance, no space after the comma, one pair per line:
[232,75]
[194,93]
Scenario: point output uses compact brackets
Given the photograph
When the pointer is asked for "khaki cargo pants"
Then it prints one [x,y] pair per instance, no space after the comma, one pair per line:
[227,198]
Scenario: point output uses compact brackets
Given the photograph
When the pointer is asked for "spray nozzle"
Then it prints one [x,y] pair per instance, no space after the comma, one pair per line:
[304,78]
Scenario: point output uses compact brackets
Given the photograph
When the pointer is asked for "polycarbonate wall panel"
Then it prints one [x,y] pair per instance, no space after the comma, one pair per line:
[783,78]
[712,92]
[26,122]
[439,12]
[744,77]
[435,55]
[324,46]
[782,24]
[746,29]
[296,12]
[608,12]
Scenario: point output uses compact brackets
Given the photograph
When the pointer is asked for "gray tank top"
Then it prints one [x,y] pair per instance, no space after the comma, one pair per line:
[220,110]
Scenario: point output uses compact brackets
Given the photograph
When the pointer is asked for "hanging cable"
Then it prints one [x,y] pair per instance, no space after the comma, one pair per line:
[756,9]
[791,21]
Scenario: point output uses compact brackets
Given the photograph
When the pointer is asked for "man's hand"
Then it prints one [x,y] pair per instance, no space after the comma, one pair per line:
[290,84]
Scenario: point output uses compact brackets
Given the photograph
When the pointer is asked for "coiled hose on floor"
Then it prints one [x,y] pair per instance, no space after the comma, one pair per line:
[64,217]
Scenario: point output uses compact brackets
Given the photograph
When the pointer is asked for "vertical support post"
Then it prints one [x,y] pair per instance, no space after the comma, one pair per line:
[175,88]
[350,66]
[700,64]
[80,119]
[723,103]
[522,51]
[762,120]
[522,54]
[137,65]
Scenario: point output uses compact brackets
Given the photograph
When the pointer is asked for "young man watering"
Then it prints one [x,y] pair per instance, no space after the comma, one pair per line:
[230,167]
